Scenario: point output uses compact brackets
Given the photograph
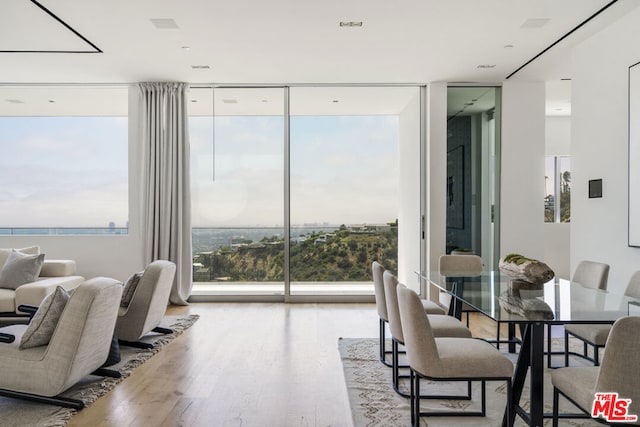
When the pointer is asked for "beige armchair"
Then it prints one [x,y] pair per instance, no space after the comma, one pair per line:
[148,305]
[79,346]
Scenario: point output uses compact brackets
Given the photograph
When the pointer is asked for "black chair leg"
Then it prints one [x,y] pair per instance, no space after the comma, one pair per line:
[162,330]
[136,344]
[555,407]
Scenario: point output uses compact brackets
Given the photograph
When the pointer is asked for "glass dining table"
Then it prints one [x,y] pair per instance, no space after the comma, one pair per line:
[532,308]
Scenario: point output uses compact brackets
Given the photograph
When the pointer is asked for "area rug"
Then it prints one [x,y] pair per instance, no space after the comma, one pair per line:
[374,403]
[18,413]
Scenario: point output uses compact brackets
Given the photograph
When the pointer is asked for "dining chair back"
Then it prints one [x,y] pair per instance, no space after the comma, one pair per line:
[592,274]
[618,373]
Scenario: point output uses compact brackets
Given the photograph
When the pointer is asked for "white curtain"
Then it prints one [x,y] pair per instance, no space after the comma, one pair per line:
[165,178]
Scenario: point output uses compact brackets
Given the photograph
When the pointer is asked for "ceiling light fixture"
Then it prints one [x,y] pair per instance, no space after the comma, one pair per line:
[508,46]
[51,101]
[351,23]
[486,66]
[164,23]
[335,101]
[186,48]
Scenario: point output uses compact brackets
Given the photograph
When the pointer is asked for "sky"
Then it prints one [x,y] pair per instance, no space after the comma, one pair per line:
[63,171]
[72,171]
[342,169]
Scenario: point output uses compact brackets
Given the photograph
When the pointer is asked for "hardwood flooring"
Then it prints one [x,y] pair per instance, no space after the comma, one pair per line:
[246,364]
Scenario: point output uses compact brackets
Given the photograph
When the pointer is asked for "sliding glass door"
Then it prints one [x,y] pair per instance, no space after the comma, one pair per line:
[296,191]
[237,190]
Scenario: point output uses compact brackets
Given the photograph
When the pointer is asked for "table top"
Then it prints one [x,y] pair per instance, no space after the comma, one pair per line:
[557,301]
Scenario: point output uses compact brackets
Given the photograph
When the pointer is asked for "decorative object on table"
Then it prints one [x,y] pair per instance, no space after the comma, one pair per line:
[532,308]
[525,269]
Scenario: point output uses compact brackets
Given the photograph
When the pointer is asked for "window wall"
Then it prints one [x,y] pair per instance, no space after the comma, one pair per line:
[64,162]
[298,203]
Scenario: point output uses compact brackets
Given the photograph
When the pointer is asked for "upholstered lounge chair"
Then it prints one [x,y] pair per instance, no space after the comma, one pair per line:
[79,347]
[148,305]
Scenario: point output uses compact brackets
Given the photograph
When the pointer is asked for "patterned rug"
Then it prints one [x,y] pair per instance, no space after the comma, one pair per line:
[374,403]
[19,413]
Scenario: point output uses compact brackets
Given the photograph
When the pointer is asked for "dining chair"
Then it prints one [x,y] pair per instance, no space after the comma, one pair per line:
[441,324]
[377,271]
[596,334]
[618,374]
[462,265]
[447,359]
[592,275]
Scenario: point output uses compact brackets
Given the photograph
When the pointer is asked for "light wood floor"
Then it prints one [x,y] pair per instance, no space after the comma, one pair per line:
[246,364]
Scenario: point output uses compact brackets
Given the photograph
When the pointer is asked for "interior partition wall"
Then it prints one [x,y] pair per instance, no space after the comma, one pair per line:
[297,189]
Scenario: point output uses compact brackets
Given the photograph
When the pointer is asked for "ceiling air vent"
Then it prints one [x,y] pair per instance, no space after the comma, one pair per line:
[535,23]
[164,23]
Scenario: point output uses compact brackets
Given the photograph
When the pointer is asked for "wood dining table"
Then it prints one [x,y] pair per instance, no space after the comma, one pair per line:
[531,308]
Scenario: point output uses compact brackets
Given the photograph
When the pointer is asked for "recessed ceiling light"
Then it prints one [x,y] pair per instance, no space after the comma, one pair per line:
[264,100]
[566,79]
[194,100]
[230,101]
[15,101]
[335,101]
[51,101]
[351,23]
[486,66]
[185,48]
[200,67]
[535,23]
[508,46]
[164,23]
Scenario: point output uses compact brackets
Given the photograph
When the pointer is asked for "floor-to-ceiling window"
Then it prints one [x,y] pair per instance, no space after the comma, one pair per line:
[237,146]
[63,160]
[325,175]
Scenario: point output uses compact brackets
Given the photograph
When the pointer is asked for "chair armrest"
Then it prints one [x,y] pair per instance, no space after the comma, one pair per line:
[7,338]
[58,268]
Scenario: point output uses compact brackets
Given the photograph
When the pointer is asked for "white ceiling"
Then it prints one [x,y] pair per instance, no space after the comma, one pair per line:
[294,41]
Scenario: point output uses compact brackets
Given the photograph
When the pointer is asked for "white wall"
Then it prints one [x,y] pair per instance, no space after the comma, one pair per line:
[557,252]
[409,194]
[599,109]
[522,174]
[111,256]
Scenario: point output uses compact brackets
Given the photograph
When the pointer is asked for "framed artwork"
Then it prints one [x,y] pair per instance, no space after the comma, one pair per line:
[455,188]
[634,155]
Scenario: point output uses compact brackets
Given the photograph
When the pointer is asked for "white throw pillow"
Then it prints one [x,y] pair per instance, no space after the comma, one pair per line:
[4,253]
[20,269]
[44,322]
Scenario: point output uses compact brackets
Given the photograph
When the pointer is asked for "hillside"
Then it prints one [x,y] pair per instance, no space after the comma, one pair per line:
[340,256]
